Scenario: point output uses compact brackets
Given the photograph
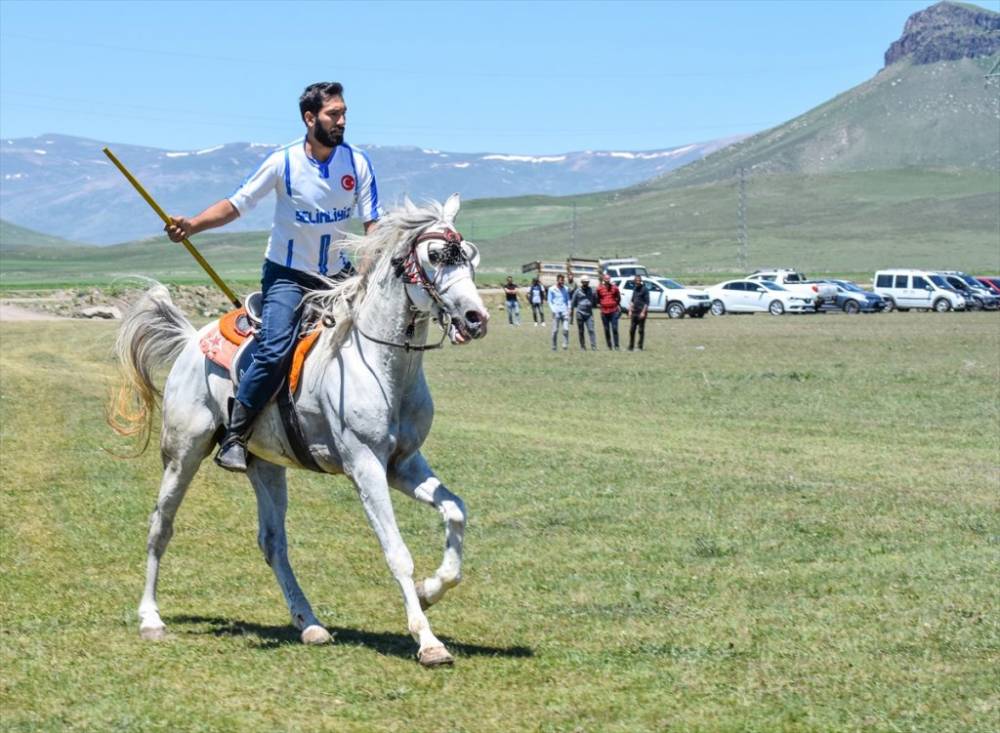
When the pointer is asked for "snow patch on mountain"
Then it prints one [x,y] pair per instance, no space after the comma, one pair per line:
[651,156]
[526,158]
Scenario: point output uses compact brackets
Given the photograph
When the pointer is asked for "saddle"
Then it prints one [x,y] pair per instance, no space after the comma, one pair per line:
[230,343]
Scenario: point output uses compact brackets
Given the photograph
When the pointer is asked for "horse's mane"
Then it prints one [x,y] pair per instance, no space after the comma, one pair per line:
[373,254]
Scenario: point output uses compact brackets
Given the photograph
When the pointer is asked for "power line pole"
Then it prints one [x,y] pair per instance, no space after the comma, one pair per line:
[572,233]
[741,213]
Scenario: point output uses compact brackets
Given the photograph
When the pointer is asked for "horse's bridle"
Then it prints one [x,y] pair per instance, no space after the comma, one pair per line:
[409,268]
[412,266]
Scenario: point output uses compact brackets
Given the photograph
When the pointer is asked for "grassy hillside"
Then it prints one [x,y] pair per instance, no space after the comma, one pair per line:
[238,256]
[941,115]
[852,222]
[13,237]
[845,222]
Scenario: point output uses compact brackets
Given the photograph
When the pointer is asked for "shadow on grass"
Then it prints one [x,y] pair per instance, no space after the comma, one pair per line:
[395,645]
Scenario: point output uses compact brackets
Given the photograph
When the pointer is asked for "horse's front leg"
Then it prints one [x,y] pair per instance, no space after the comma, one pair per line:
[369,476]
[415,478]
[271,488]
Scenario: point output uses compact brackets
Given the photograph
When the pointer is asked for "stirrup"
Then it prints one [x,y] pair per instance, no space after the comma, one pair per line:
[253,305]
[232,456]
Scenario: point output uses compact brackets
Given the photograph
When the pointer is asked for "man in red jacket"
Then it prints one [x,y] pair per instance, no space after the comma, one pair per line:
[609,299]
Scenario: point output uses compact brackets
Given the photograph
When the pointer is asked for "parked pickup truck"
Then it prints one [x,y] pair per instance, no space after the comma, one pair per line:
[799,284]
[623,267]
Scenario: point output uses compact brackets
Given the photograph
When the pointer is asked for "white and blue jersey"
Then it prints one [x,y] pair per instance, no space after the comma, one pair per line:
[314,201]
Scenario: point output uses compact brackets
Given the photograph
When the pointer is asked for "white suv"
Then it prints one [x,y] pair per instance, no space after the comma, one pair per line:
[906,289]
[666,295]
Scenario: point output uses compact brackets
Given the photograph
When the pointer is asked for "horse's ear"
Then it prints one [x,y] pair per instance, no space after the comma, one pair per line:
[409,206]
[451,207]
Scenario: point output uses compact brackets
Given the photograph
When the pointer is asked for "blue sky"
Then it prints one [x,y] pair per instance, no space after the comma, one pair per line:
[514,77]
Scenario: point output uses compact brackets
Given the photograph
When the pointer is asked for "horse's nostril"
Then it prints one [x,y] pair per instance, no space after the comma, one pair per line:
[473,317]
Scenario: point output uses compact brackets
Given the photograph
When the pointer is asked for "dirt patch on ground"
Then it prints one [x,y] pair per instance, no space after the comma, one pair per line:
[9,312]
[195,301]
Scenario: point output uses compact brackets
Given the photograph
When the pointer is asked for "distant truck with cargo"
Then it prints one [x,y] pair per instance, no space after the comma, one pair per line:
[574,268]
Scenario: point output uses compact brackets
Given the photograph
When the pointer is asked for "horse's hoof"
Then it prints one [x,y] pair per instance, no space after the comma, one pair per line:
[153,633]
[434,656]
[316,634]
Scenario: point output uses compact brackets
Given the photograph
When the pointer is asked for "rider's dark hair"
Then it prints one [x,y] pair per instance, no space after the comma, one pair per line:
[315,95]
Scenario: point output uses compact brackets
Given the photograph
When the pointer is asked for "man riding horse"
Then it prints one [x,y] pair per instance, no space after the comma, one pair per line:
[318,182]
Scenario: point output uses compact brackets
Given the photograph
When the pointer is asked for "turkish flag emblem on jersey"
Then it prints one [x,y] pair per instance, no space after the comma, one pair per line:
[347,182]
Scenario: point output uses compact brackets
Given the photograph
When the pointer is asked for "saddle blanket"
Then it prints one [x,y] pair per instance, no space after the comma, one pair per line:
[222,342]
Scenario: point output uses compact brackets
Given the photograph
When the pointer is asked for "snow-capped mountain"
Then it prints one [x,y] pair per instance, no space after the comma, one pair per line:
[65,186]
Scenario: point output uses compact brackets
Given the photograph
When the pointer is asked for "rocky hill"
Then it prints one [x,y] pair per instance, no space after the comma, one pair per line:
[945,32]
[942,114]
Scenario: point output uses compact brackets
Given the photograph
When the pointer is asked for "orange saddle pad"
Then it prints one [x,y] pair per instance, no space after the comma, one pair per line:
[223,340]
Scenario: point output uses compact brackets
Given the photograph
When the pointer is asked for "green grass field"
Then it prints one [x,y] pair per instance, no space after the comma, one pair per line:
[759,524]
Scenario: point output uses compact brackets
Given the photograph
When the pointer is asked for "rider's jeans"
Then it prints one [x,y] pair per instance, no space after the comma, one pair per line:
[283,289]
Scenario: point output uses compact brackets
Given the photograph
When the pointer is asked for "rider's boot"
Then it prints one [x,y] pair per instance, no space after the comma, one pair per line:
[232,456]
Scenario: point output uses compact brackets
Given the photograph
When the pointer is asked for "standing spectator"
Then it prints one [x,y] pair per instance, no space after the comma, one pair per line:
[513,308]
[638,309]
[609,298]
[582,303]
[536,296]
[559,305]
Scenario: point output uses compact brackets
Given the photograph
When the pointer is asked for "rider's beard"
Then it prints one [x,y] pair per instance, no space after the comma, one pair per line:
[326,138]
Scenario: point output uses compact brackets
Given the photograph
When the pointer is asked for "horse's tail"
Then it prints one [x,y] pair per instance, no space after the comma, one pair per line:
[153,333]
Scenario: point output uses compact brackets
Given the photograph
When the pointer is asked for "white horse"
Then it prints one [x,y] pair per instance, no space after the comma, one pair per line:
[363,405]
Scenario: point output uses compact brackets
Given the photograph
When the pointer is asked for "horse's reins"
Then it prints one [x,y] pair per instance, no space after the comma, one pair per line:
[410,265]
[410,328]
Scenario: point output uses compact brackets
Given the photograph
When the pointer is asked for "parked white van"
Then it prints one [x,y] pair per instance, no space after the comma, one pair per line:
[906,289]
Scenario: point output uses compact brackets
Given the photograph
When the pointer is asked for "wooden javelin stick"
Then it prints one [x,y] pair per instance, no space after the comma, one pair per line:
[166,220]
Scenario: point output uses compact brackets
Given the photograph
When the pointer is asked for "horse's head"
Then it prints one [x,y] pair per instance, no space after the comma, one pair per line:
[441,269]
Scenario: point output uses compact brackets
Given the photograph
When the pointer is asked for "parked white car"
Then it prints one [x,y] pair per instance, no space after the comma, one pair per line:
[667,295]
[749,296]
[906,289]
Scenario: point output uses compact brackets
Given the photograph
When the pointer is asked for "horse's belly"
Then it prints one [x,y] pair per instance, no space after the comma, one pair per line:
[269,442]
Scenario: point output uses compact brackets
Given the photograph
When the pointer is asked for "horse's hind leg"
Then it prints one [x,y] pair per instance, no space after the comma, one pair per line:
[182,455]
[272,502]
[415,478]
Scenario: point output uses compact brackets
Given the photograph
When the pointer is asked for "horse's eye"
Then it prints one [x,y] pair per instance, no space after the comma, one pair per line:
[434,256]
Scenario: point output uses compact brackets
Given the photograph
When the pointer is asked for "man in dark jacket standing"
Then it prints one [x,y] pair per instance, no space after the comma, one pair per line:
[582,305]
[638,309]
[536,296]
[609,298]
